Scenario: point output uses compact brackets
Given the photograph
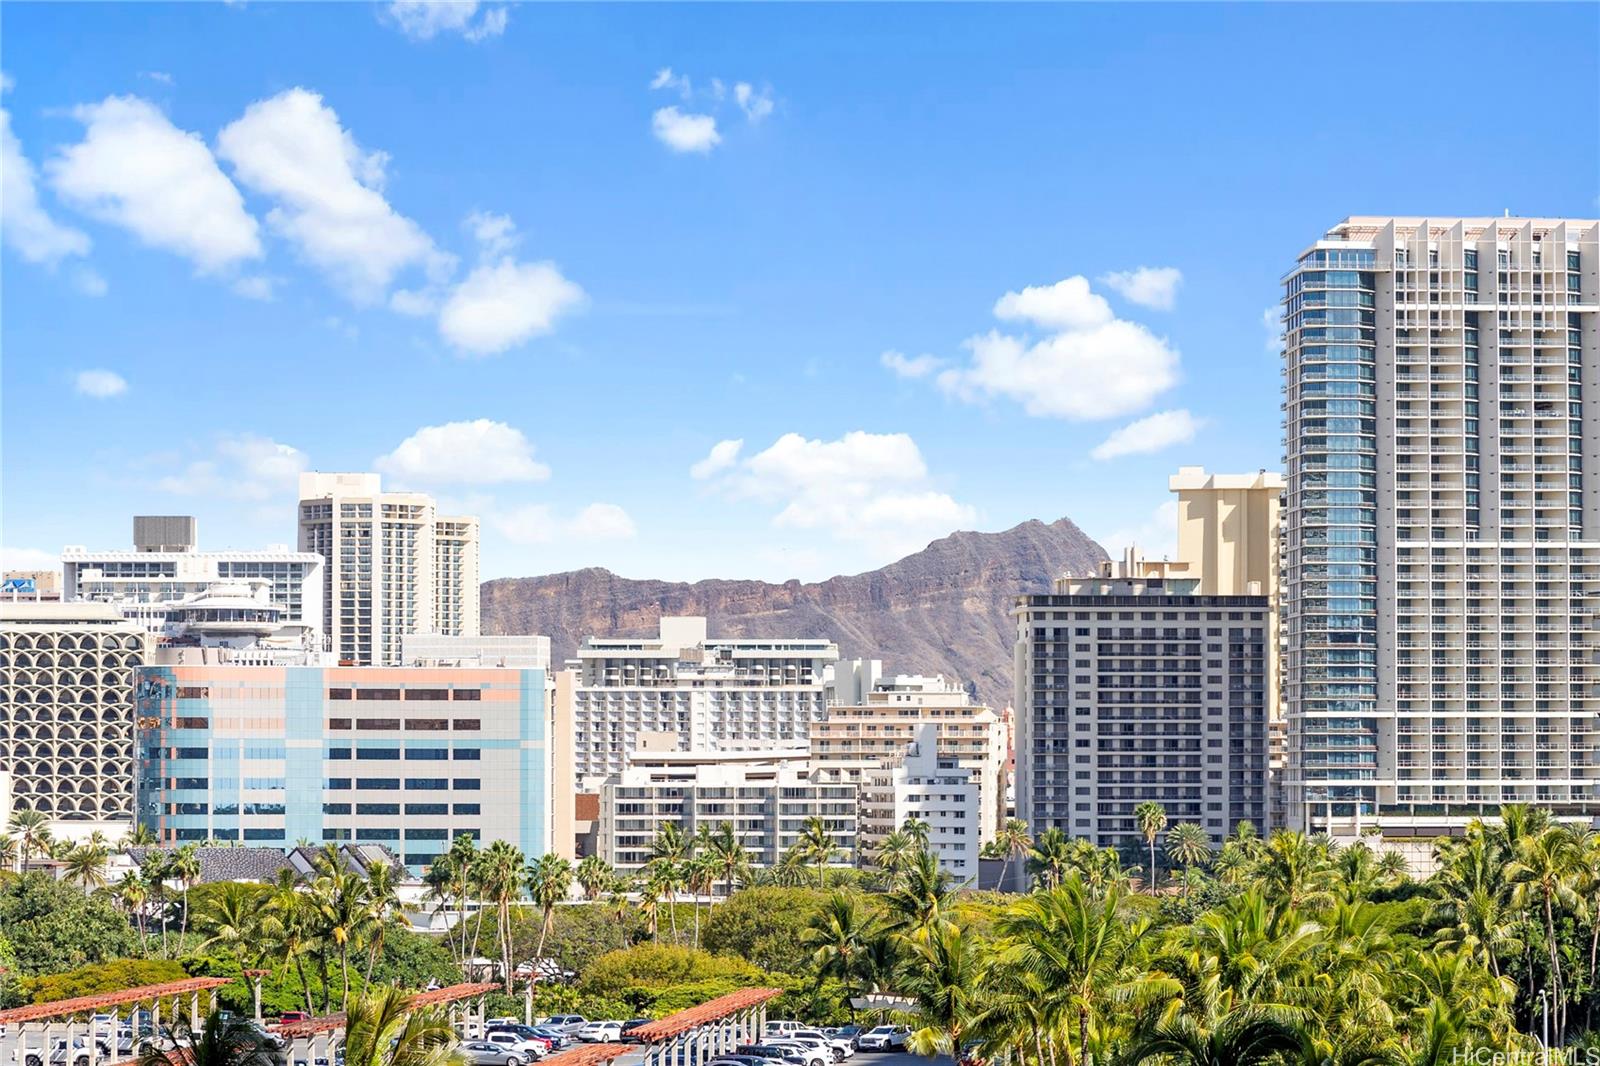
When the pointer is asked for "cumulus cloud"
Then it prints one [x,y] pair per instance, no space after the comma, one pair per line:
[423,20]
[678,83]
[496,234]
[242,466]
[537,523]
[478,452]
[723,455]
[135,169]
[1153,287]
[1088,365]
[1149,434]
[24,223]
[1272,325]
[905,366]
[100,384]
[500,305]
[684,131]
[868,488]
[755,105]
[160,76]
[328,193]
[256,287]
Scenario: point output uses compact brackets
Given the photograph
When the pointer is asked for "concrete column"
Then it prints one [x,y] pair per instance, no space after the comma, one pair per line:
[194,1011]
[255,990]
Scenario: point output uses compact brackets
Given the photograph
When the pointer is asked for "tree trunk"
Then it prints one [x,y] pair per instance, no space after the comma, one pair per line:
[344,975]
[305,985]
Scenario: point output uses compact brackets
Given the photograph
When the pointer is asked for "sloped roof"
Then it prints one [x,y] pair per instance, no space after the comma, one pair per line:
[713,1010]
[88,1004]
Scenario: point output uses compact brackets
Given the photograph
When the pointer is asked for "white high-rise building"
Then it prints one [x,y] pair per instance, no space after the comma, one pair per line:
[1442,522]
[722,693]
[164,568]
[920,785]
[392,566]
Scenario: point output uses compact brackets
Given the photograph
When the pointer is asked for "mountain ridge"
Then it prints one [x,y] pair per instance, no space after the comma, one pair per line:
[942,610]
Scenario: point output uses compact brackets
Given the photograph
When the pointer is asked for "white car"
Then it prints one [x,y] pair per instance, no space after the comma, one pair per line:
[777,1029]
[526,1050]
[885,1038]
[812,1054]
[845,1045]
[601,1032]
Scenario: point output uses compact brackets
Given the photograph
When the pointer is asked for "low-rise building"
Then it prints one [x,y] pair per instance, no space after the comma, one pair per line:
[767,797]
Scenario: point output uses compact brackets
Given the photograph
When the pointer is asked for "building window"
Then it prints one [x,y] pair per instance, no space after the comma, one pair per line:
[466,694]
[377,723]
[387,694]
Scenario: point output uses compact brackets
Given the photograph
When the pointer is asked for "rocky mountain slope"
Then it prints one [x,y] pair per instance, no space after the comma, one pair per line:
[942,610]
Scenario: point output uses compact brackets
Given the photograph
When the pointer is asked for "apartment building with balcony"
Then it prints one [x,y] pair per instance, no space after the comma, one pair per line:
[879,732]
[767,797]
[710,693]
[392,566]
[1442,522]
[919,784]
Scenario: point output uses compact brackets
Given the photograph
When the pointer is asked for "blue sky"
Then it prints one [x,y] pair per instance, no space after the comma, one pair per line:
[548,262]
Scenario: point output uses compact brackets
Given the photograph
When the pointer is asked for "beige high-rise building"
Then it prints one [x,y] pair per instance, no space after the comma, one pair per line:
[1228,530]
[854,740]
[392,566]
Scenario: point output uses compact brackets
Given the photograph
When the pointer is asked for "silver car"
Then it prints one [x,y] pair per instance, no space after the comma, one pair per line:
[483,1053]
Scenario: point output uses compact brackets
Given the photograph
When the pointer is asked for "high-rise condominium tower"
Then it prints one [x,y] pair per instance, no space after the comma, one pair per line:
[1442,521]
[393,566]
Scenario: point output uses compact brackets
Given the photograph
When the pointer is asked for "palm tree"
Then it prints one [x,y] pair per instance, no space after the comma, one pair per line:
[341,904]
[8,851]
[667,852]
[732,859]
[383,903]
[231,918]
[1151,818]
[594,875]
[700,876]
[141,836]
[943,973]
[1189,846]
[1012,842]
[86,866]
[383,1029]
[153,871]
[1295,870]
[894,852]
[502,879]
[184,864]
[132,894]
[916,829]
[817,844]
[224,1040]
[1541,873]
[1050,856]
[1252,1036]
[287,926]
[838,934]
[921,898]
[549,882]
[32,832]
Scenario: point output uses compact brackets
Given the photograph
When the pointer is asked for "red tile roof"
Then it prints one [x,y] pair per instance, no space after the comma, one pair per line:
[89,1004]
[332,1022]
[713,1010]
[588,1055]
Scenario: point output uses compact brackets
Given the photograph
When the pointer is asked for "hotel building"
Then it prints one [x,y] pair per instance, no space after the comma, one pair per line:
[921,785]
[391,566]
[1442,522]
[722,693]
[68,673]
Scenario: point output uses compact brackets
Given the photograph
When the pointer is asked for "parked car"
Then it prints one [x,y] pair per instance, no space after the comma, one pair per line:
[290,1017]
[629,1026]
[558,1038]
[565,1023]
[885,1038]
[484,1053]
[547,1040]
[493,1022]
[771,1053]
[851,1033]
[780,1028]
[808,1054]
[524,1049]
[600,1032]
[844,1045]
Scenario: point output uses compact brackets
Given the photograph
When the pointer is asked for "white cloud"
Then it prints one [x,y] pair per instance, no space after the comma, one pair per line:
[1068,304]
[1272,324]
[755,105]
[496,234]
[603,521]
[135,169]
[1154,287]
[422,20]
[868,488]
[723,455]
[100,384]
[328,192]
[256,287]
[685,132]
[29,559]
[678,83]
[501,305]
[1091,365]
[905,366]
[478,452]
[25,224]
[243,466]
[1149,434]
[88,282]
[537,523]
[1156,536]
[160,76]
